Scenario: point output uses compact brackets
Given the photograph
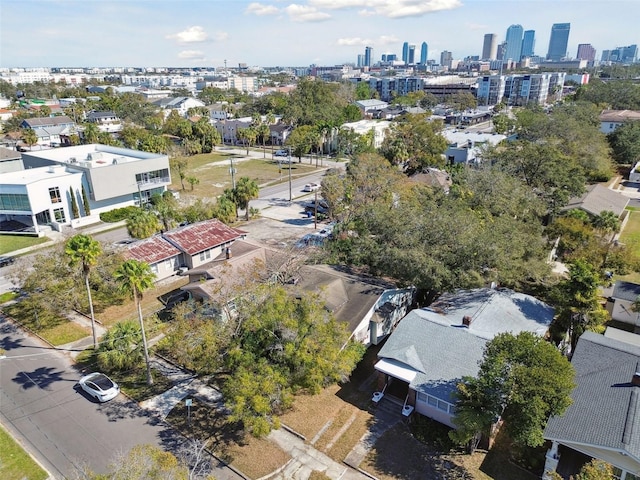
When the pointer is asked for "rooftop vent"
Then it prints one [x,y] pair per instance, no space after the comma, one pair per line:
[635,380]
[466,320]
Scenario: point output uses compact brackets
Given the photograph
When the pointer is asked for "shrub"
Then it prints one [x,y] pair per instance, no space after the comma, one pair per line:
[119,214]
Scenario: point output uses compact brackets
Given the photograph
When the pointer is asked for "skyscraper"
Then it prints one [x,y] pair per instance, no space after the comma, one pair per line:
[446,58]
[558,41]
[514,43]
[490,47]
[368,56]
[528,43]
[586,52]
[411,58]
[424,53]
[405,52]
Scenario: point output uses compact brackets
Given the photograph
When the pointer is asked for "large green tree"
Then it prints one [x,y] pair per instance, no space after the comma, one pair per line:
[85,251]
[415,143]
[625,143]
[134,278]
[245,190]
[121,347]
[143,224]
[522,380]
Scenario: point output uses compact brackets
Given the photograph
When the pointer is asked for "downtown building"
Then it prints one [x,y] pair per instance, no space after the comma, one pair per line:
[558,41]
[519,90]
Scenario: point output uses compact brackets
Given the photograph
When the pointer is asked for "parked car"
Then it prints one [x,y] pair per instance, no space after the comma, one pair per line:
[4,261]
[311,187]
[322,207]
[99,386]
[282,153]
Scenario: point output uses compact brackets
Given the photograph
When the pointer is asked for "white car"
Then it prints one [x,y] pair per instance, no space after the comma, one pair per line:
[311,187]
[99,386]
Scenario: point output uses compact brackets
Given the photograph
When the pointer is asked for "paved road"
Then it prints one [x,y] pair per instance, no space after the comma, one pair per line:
[58,424]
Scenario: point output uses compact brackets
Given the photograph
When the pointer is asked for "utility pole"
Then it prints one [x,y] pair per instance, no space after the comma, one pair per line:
[233,173]
[290,193]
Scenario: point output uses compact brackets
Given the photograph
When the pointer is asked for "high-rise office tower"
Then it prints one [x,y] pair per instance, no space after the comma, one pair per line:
[528,43]
[490,46]
[558,41]
[411,58]
[360,60]
[446,58]
[405,52]
[368,56]
[586,52]
[514,43]
[424,53]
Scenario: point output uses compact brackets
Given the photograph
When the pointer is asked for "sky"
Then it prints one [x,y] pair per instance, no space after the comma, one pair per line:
[208,33]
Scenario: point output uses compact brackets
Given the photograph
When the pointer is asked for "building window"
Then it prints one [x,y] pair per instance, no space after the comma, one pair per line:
[14,201]
[54,193]
[58,214]
[205,255]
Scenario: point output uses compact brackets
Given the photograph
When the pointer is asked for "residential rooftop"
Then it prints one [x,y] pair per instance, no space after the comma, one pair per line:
[93,155]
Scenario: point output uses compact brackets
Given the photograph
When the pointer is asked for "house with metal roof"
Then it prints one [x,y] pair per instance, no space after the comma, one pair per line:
[433,348]
[603,420]
[184,248]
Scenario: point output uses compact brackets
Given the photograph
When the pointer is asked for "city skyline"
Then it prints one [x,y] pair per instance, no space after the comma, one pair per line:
[142,33]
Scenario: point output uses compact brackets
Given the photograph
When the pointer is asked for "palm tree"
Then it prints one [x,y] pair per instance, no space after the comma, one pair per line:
[84,250]
[91,133]
[29,137]
[245,191]
[120,347]
[134,278]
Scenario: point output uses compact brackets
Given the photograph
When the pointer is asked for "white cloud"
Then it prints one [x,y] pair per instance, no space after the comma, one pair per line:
[388,40]
[261,9]
[390,8]
[191,55]
[193,34]
[303,13]
[367,13]
[353,41]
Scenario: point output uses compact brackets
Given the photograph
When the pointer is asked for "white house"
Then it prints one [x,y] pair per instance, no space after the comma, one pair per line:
[612,119]
[466,147]
[181,104]
[111,177]
[362,127]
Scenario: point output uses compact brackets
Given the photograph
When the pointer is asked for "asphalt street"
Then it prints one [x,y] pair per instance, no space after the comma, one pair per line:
[63,428]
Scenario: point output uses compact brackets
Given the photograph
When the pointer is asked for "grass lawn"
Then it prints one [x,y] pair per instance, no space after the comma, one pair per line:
[15,463]
[254,457]
[7,296]
[11,243]
[630,236]
[150,304]
[212,170]
[134,383]
[64,333]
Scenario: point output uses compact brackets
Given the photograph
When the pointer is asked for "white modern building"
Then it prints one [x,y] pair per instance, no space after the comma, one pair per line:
[111,177]
[362,127]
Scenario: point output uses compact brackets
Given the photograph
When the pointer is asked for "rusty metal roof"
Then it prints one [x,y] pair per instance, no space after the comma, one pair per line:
[152,250]
[201,236]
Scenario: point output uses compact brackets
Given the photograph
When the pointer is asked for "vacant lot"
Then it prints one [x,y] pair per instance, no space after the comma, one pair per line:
[213,171]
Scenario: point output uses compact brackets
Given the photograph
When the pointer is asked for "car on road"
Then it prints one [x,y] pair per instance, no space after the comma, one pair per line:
[99,386]
[282,153]
[311,187]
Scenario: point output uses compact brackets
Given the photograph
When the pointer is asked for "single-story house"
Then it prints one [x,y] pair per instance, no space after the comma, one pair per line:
[433,348]
[186,247]
[434,177]
[603,420]
[597,199]
[180,104]
[465,147]
[621,303]
[368,106]
[370,307]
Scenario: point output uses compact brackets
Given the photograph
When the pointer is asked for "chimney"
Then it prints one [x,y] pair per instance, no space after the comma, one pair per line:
[635,380]
[228,253]
[466,321]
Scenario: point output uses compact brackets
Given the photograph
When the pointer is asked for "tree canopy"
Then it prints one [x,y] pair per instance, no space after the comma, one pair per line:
[522,380]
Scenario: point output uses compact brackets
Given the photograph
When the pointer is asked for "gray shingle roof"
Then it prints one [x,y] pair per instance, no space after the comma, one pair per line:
[441,354]
[605,410]
[626,291]
[433,341]
[598,199]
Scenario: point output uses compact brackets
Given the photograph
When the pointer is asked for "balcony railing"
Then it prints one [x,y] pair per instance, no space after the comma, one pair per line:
[154,181]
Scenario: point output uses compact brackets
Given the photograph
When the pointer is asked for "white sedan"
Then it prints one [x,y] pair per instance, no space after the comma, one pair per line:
[99,386]
[311,187]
